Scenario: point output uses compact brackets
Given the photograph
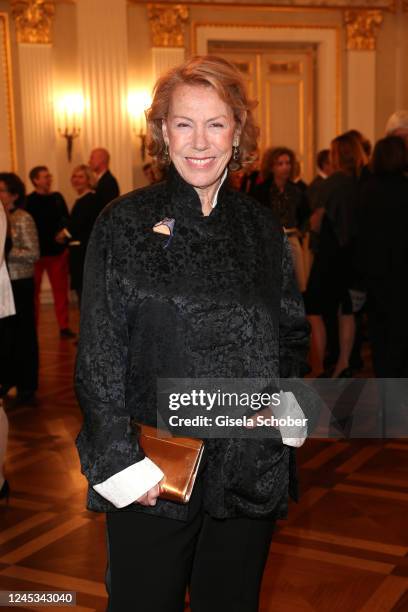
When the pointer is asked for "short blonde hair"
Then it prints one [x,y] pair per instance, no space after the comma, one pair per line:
[85,169]
[225,79]
[397,121]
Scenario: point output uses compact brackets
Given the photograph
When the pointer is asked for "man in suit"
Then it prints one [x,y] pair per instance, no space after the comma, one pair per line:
[50,213]
[106,186]
[323,171]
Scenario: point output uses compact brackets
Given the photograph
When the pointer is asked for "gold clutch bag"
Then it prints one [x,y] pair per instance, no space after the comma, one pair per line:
[178,459]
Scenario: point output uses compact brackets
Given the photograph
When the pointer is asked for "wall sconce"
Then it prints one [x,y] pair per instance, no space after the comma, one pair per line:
[138,103]
[70,110]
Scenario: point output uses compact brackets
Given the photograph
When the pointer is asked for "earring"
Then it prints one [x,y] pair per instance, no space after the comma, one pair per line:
[166,155]
[235,152]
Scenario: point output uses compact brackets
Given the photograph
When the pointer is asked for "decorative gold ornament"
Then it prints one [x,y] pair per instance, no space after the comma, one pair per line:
[33,20]
[167,24]
[362,29]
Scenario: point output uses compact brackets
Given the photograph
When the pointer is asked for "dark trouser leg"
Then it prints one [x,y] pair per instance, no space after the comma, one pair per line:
[228,565]
[378,324]
[149,561]
[25,350]
[7,335]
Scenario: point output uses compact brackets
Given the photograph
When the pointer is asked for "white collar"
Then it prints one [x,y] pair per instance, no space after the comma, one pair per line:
[99,176]
[215,200]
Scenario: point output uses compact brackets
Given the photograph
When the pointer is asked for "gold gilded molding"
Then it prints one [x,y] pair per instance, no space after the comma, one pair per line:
[33,20]
[362,28]
[167,24]
[6,74]
[288,5]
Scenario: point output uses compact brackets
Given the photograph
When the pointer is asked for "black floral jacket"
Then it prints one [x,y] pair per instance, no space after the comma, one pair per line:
[220,300]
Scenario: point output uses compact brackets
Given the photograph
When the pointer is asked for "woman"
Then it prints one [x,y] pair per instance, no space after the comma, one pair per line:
[383,256]
[331,276]
[186,279]
[22,362]
[7,310]
[286,199]
[80,224]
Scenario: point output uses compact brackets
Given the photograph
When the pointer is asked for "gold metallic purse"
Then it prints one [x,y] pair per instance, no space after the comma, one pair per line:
[178,459]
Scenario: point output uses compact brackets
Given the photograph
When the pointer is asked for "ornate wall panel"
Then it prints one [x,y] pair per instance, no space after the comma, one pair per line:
[167,24]
[33,20]
[103,64]
[295,4]
[7,146]
[362,28]
[328,71]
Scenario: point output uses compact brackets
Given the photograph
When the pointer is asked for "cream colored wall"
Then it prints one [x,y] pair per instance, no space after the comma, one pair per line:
[65,74]
[140,72]
[392,68]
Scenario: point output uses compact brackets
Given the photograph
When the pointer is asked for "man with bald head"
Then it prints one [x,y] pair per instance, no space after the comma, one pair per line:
[397,125]
[106,186]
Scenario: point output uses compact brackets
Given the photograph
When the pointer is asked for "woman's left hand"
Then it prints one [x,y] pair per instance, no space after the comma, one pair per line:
[150,498]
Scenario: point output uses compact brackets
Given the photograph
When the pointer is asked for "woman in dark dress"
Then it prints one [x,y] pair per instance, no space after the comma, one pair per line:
[287,201]
[383,256]
[80,224]
[187,279]
[331,276]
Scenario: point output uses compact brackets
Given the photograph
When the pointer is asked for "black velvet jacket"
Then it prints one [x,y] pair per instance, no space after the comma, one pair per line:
[219,301]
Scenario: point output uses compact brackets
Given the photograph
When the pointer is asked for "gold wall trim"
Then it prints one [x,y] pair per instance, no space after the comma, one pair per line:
[337,29]
[362,28]
[6,70]
[290,5]
[33,20]
[167,24]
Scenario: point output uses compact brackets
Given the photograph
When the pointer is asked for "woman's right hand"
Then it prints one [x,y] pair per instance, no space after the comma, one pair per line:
[149,498]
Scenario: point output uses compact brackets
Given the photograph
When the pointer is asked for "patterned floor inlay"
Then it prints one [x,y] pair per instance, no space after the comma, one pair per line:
[343,548]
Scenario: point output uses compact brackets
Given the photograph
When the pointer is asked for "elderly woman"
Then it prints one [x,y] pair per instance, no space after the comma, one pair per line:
[22,361]
[187,279]
[80,224]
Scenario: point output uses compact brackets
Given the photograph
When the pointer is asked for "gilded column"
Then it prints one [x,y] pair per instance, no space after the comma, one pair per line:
[362,27]
[167,28]
[33,24]
[103,67]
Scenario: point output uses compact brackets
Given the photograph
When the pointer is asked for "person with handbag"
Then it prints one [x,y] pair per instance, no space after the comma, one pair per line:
[187,279]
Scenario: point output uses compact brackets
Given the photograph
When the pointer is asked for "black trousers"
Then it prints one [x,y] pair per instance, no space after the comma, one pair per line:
[20,349]
[153,560]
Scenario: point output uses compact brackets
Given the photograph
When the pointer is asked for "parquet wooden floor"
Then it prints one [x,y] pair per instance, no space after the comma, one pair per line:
[343,549]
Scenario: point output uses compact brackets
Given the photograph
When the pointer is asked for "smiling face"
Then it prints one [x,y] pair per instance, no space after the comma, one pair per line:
[199,131]
[79,181]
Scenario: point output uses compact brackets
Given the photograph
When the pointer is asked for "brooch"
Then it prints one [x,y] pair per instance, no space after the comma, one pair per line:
[165,226]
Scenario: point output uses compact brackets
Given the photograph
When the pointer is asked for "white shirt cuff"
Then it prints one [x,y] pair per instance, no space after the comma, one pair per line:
[129,484]
[292,435]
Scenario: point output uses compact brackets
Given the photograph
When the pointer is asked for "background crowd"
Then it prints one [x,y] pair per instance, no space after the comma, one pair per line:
[347,231]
